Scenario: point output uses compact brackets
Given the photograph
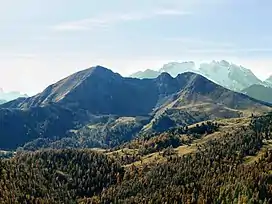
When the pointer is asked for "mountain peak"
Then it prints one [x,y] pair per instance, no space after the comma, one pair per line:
[224,63]
[104,72]
[98,69]
[165,75]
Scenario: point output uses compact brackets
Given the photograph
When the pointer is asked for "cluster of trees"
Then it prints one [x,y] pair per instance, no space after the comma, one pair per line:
[159,143]
[173,118]
[196,130]
[126,156]
[163,123]
[262,125]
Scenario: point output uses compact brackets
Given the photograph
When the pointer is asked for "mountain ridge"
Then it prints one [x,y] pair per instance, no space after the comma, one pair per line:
[96,97]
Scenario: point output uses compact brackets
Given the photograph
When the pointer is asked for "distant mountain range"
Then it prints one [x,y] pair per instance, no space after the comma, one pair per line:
[226,74]
[9,96]
[99,108]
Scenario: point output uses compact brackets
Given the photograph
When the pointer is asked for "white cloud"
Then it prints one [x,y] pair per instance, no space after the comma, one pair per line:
[109,19]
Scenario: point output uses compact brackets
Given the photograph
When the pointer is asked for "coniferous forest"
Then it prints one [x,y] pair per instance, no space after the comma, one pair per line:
[233,168]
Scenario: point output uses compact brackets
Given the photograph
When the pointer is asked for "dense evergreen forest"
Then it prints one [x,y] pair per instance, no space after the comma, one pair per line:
[234,168]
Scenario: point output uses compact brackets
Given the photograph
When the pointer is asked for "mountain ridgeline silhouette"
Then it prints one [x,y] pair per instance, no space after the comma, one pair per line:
[89,95]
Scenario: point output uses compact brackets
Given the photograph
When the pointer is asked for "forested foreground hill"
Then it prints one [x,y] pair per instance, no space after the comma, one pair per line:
[229,161]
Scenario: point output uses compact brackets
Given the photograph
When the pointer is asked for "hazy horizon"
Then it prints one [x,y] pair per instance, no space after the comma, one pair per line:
[41,42]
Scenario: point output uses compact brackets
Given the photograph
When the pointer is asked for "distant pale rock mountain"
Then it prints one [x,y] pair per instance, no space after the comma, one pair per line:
[226,74]
[229,75]
[176,68]
[9,96]
[173,68]
[148,74]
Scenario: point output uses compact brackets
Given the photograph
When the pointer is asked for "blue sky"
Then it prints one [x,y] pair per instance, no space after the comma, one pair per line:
[43,41]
